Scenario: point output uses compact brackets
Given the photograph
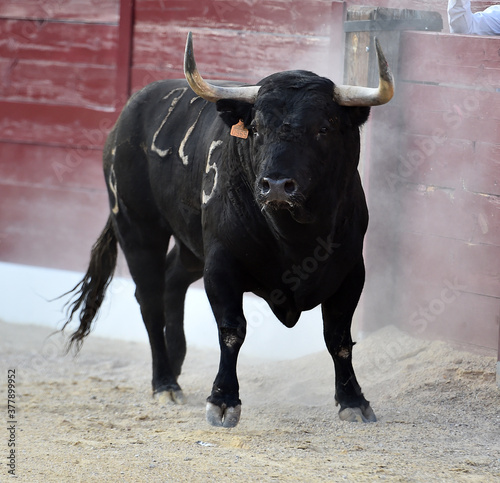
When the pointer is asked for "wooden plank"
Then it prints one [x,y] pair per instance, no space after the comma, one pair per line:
[440,308]
[75,10]
[156,48]
[55,124]
[454,125]
[59,83]
[63,63]
[222,54]
[357,64]
[472,321]
[457,113]
[297,17]
[431,161]
[483,173]
[447,163]
[479,266]
[429,261]
[48,227]
[435,212]
[469,319]
[451,213]
[54,167]
[484,210]
[58,42]
[455,103]
[450,59]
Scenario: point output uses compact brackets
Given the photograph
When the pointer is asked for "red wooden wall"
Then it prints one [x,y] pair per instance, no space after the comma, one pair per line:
[437,193]
[57,102]
[450,191]
[241,40]
[66,67]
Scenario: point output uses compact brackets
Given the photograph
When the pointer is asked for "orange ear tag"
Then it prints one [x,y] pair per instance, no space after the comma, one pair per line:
[239,130]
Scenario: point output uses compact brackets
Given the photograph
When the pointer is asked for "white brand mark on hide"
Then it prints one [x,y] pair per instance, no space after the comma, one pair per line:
[175,100]
[208,167]
[183,156]
[113,188]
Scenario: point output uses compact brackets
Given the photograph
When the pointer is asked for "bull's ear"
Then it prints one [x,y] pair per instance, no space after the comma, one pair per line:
[232,111]
[358,115]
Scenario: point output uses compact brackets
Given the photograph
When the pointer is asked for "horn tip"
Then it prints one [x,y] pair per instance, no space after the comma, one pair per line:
[189,62]
[189,41]
[384,68]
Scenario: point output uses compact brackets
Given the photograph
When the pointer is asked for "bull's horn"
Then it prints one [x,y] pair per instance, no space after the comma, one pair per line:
[211,92]
[368,96]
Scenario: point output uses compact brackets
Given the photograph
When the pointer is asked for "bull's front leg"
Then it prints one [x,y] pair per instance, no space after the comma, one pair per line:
[337,318]
[226,298]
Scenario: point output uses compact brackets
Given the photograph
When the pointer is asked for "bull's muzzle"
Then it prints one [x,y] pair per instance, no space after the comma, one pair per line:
[277,191]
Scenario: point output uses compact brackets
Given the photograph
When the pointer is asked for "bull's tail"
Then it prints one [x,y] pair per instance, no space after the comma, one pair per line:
[88,294]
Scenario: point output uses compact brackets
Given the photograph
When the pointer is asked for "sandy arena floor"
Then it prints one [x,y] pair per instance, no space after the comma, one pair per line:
[93,418]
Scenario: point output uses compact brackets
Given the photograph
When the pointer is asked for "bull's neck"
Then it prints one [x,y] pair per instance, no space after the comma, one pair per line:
[332,216]
[286,230]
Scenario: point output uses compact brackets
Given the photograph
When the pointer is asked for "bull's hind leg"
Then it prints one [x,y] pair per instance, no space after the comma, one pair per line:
[145,246]
[177,280]
[337,318]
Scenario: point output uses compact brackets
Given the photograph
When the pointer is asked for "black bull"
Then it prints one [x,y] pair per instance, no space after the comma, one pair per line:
[278,211]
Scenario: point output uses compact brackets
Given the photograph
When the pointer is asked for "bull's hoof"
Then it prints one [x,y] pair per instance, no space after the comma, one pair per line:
[358,415]
[168,396]
[223,416]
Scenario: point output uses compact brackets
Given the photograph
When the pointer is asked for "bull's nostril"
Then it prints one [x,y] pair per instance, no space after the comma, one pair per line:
[278,190]
[290,187]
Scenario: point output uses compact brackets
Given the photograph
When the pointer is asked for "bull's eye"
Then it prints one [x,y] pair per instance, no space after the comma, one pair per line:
[323,130]
[253,129]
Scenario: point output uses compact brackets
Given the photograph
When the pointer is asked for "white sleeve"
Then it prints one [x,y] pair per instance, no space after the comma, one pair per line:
[459,16]
[487,22]
[463,21]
